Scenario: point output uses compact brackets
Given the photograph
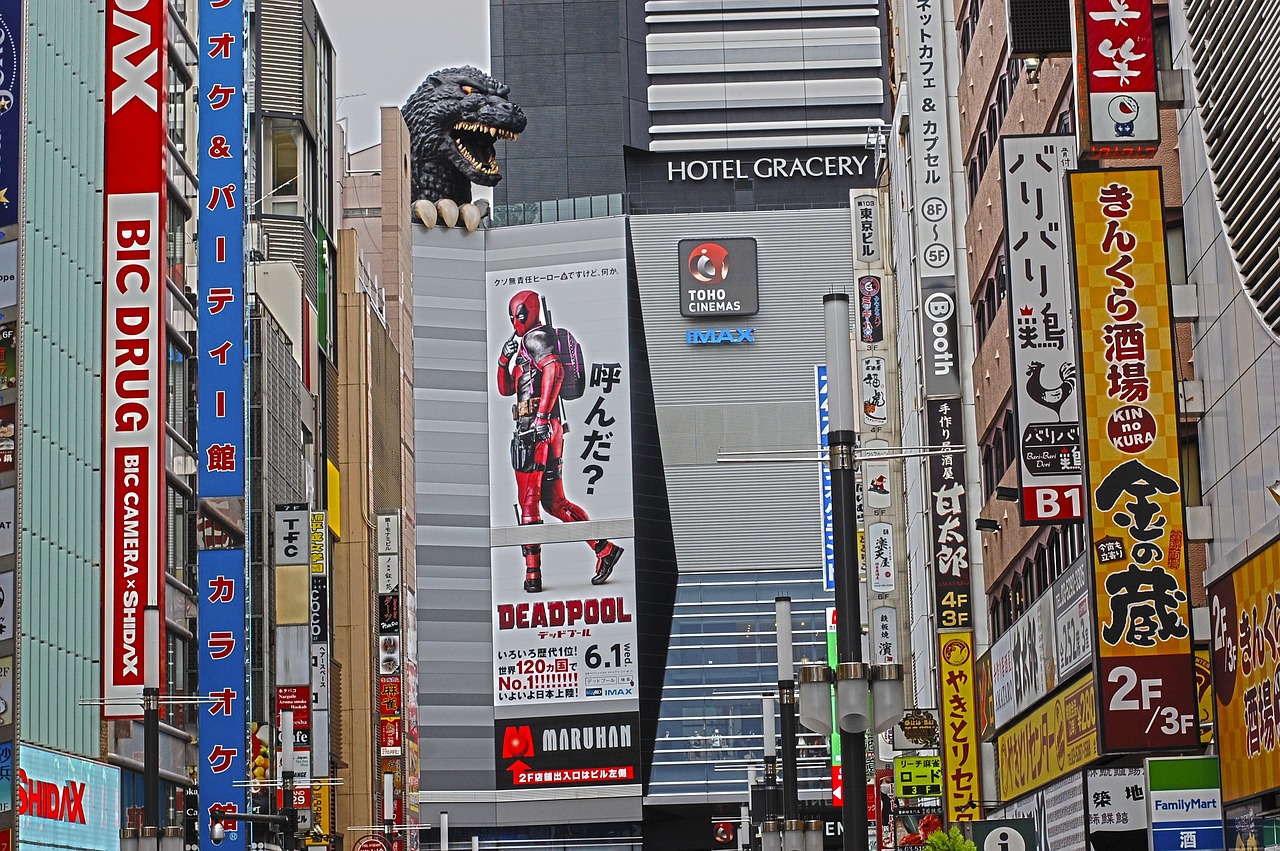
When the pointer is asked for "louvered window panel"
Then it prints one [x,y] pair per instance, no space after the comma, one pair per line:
[1235,51]
[750,74]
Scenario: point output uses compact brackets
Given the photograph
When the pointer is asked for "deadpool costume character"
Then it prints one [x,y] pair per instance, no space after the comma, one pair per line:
[530,370]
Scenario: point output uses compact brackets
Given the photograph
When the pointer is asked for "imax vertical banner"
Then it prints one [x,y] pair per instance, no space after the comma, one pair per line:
[1146,671]
[1041,306]
[133,362]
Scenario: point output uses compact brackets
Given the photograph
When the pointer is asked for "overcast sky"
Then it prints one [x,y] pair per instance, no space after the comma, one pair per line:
[387,47]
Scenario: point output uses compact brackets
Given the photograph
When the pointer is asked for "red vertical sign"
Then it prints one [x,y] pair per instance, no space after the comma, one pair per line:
[133,360]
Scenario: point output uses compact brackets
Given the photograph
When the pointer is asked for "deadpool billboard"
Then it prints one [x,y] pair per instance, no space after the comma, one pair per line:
[583,750]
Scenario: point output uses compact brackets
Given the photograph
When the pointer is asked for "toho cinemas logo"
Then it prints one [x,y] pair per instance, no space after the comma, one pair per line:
[47,800]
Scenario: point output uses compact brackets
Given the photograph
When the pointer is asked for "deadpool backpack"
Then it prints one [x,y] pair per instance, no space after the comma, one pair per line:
[569,354]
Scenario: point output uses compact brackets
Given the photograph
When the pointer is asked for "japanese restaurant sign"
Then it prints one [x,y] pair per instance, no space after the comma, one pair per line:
[1117,79]
[948,515]
[1146,671]
[1046,400]
[960,743]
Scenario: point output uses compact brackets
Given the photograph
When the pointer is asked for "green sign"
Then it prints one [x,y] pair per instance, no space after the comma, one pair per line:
[917,776]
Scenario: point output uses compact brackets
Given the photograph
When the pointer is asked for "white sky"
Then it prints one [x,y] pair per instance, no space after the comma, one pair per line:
[387,47]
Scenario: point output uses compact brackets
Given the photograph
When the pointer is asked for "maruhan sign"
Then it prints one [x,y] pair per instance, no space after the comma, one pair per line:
[768,168]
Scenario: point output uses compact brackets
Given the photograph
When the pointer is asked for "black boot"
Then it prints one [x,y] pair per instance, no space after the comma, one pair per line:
[607,556]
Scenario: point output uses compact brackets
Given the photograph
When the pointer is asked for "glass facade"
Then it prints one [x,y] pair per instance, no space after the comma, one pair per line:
[60,347]
[723,659]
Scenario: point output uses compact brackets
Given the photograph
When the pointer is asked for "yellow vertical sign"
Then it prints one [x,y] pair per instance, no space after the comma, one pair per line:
[321,815]
[961,778]
[1128,392]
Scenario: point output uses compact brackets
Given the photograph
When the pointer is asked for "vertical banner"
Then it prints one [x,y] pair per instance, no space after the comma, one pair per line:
[1046,399]
[1146,671]
[824,482]
[223,741]
[1243,610]
[948,516]
[221,313]
[1116,78]
[134,346]
[960,745]
[1115,805]
[930,140]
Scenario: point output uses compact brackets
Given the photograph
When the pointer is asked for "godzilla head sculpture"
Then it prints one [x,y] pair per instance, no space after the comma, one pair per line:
[454,119]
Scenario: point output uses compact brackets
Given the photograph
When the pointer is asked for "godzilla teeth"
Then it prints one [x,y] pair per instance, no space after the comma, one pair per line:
[490,167]
[495,132]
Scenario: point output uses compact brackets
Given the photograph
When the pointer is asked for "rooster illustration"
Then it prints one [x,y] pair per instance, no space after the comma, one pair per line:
[1052,398]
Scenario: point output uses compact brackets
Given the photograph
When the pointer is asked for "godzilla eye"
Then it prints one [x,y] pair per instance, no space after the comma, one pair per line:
[466,90]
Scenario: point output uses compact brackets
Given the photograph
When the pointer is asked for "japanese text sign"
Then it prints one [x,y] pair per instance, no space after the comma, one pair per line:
[1244,626]
[930,137]
[917,776]
[1129,389]
[960,745]
[1117,81]
[224,753]
[221,308]
[948,515]
[1185,804]
[1059,736]
[1041,303]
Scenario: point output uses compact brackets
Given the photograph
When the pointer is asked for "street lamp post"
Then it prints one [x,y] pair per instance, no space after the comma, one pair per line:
[841,442]
[151,720]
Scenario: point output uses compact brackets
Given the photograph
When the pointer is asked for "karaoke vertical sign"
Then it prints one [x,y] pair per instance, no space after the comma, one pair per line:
[221,412]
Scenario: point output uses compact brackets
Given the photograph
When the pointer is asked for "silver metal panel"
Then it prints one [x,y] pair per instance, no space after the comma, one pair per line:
[452,534]
[280,77]
[711,398]
[763,50]
[765,93]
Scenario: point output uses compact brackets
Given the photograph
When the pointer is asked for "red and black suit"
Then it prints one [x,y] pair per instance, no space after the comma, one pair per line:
[530,370]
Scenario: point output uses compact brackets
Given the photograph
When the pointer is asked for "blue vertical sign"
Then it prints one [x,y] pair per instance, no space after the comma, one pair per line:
[224,755]
[828,518]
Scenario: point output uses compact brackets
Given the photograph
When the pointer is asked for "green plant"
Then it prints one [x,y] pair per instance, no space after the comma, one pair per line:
[949,840]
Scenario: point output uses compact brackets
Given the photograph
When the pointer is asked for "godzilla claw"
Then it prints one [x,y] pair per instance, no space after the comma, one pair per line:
[426,213]
[470,216]
[448,212]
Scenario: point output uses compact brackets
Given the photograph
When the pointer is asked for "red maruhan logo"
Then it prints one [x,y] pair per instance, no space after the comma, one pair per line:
[42,799]
[517,742]
[709,263]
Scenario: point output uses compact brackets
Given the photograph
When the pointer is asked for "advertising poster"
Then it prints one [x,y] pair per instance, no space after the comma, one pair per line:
[560,431]
[1021,665]
[1146,671]
[960,745]
[8,351]
[1046,401]
[1115,805]
[1054,739]
[1058,812]
[67,802]
[1117,80]
[595,750]
[1246,658]
[912,825]
[573,643]
[560,395]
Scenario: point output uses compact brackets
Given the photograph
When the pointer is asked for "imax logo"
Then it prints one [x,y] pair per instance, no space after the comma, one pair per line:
[722,335]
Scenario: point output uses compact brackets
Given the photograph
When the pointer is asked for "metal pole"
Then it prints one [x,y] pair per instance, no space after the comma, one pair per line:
[770,758]
[151,720]
[841,440]
[286,777]
[787,706]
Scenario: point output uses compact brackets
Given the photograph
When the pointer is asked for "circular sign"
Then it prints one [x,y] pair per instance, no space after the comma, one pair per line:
[939,306]
[869,285]
[1131,429]
[934,209]
[1004,839]
[370,843]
